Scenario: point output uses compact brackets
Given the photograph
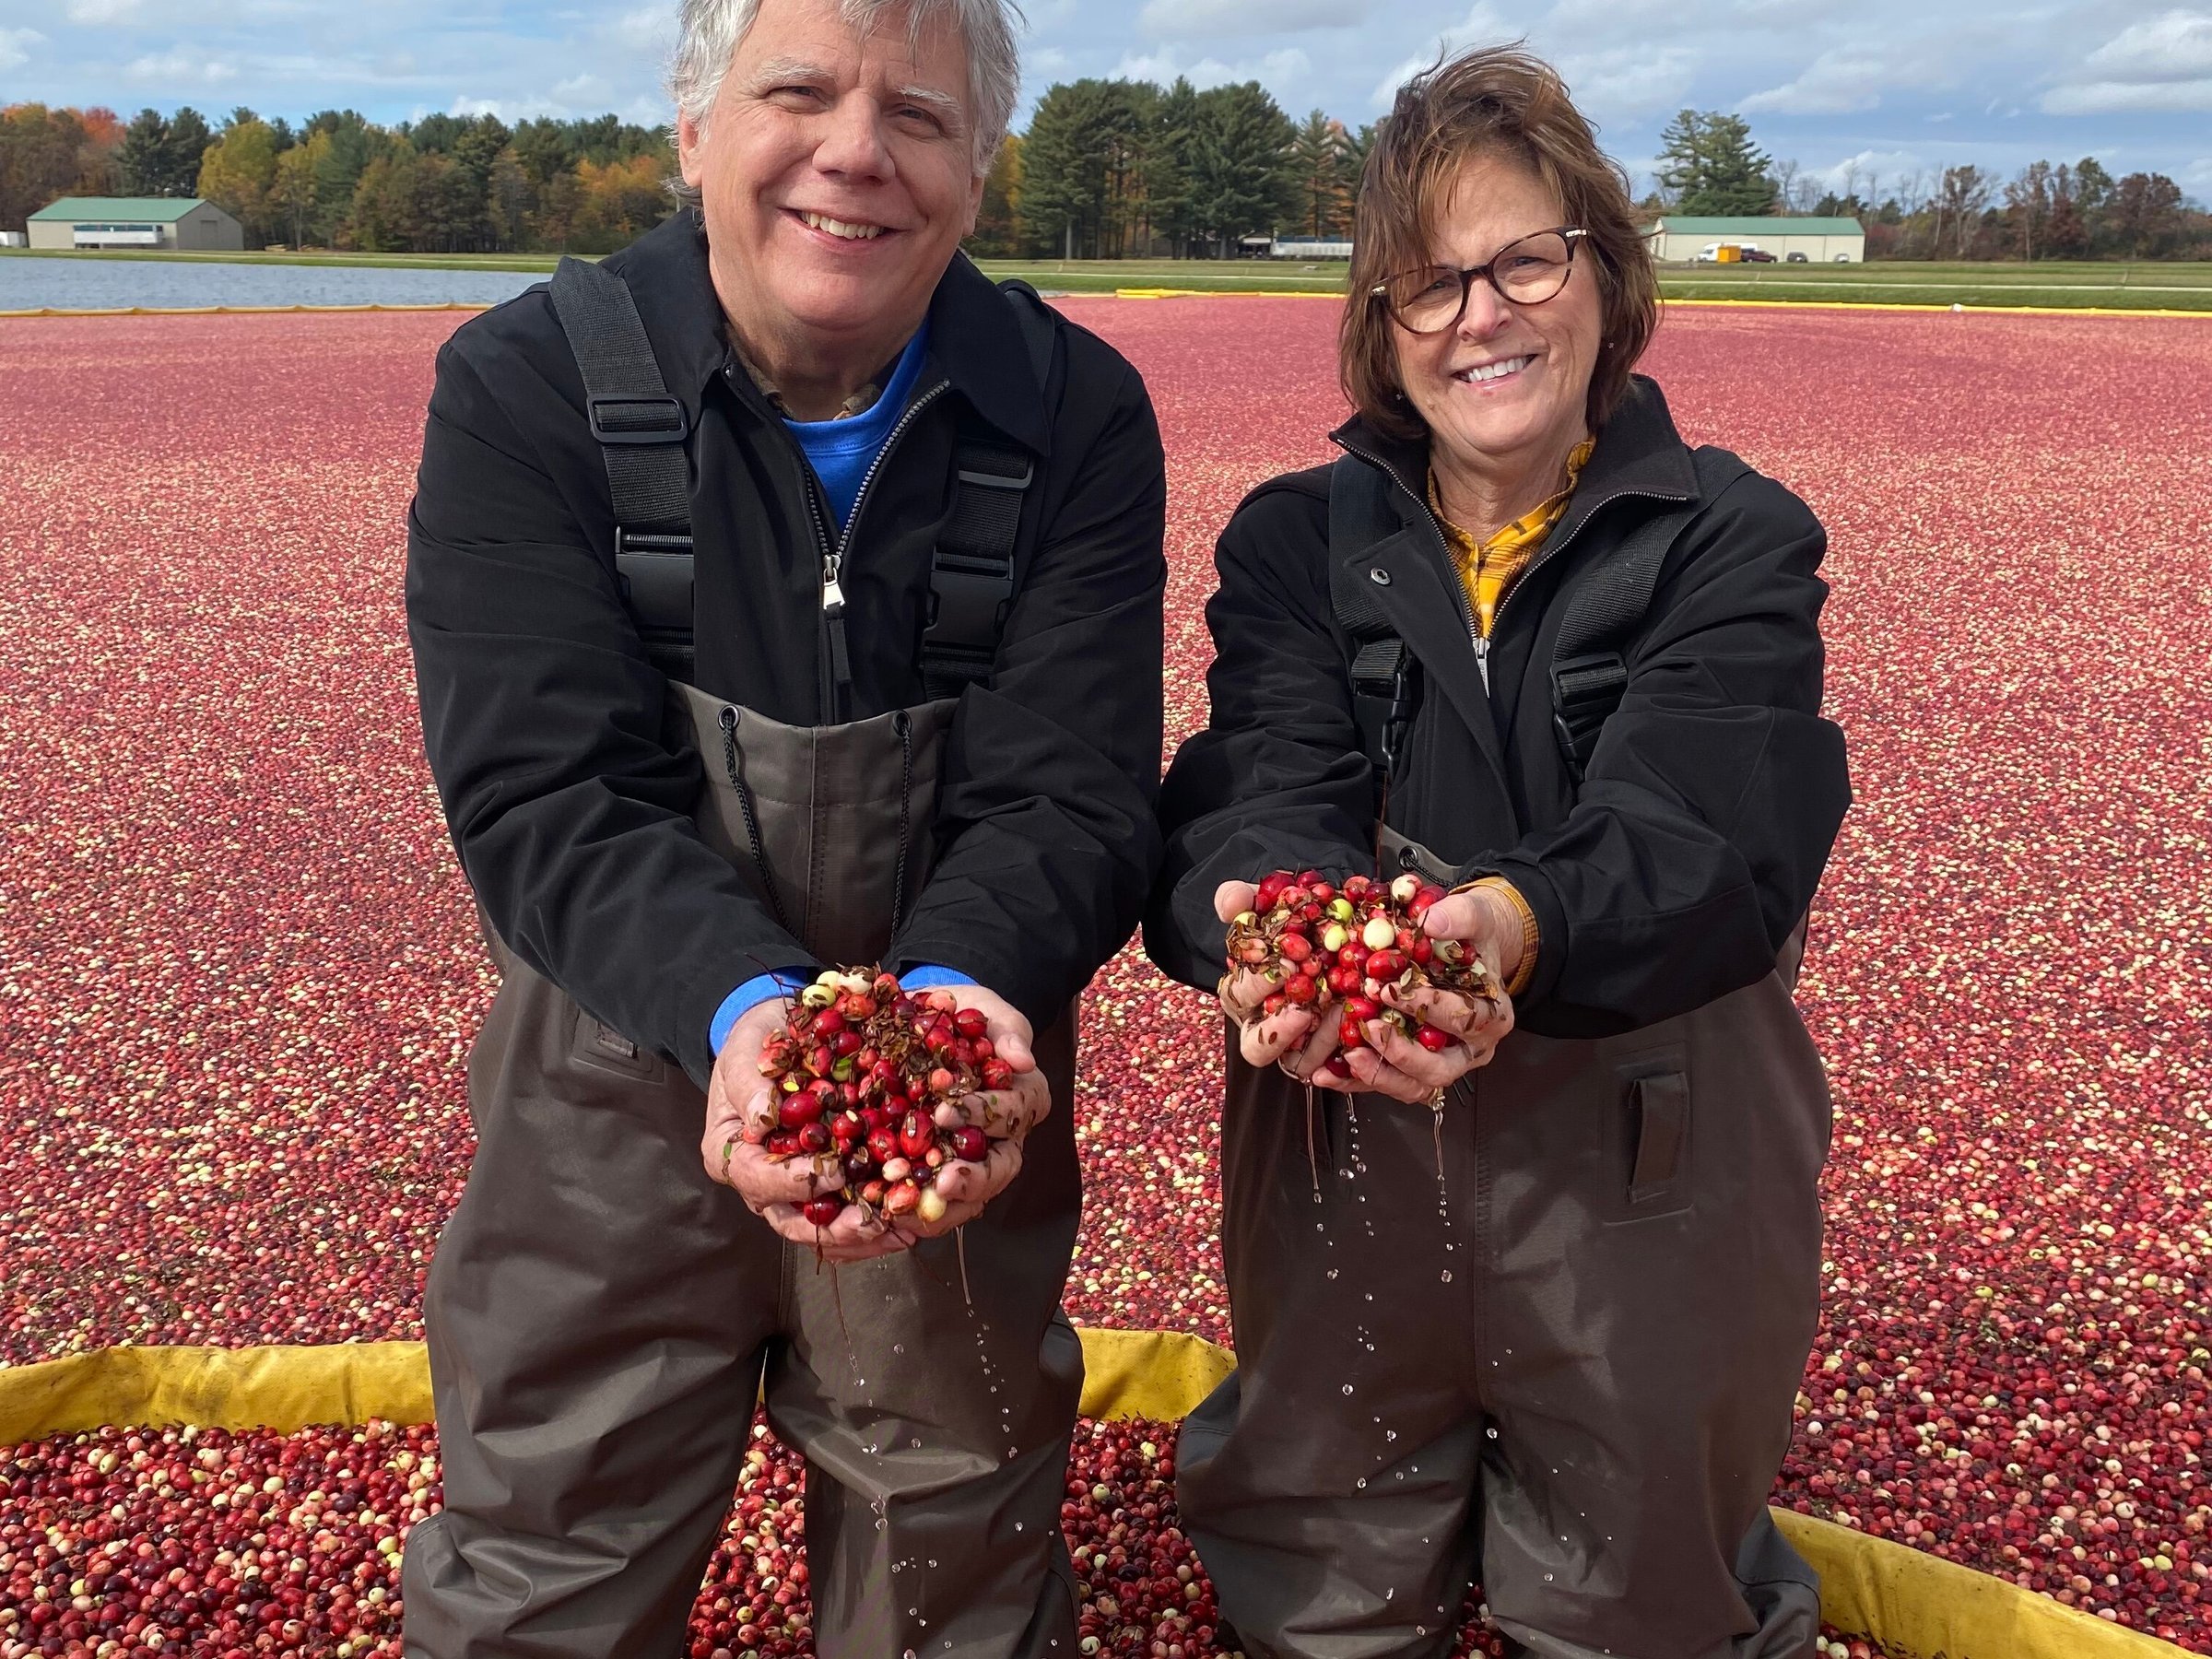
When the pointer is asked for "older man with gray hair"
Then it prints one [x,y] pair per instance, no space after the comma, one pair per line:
[783,595]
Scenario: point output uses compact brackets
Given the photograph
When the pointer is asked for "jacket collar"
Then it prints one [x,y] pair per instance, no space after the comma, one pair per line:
[1639,453]
[975,342]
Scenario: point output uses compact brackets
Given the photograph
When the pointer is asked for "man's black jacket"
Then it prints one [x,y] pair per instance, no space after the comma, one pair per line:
[1676,871]
[545,721]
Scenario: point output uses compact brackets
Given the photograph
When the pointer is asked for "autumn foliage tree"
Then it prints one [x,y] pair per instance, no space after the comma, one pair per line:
[46,153]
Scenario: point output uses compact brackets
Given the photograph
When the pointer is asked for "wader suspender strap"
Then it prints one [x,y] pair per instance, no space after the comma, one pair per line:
[1589,675]
[641,429]
[1381,667]
[971,567]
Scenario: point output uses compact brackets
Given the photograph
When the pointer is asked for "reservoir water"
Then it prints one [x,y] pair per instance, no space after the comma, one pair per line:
[32,284]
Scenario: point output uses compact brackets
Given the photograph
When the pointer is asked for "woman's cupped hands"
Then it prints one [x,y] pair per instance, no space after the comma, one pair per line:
[1327,1045]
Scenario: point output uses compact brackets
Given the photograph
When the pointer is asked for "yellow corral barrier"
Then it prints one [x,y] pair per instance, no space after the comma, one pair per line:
[279,1388]
[1913,1605]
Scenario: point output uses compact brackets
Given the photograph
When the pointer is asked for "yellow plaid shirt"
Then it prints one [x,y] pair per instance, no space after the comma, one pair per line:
[1489,567]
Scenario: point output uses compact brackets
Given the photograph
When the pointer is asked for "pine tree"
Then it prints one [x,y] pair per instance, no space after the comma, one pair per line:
[143,158]
[1712,166]
[1317,158]
[998,219]
[1240,172]
[1168,165]
[185,149]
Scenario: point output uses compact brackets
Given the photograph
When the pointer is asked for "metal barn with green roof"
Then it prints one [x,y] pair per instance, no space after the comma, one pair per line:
[169,223]
[1679,238]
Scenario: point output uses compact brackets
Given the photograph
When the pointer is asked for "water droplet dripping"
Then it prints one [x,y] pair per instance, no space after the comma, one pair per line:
[1347,1388]
[1360,1483]
[1447,1275]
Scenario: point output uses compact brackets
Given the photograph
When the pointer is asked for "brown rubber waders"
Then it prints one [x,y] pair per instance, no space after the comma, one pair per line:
[602,1315]
[1567,1367]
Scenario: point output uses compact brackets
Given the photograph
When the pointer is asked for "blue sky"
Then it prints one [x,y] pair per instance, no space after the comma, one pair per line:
[1887,87]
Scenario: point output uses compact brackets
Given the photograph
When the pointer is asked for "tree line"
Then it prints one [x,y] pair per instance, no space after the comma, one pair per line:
[1106,168]
[1124,168]
[444,184]
[1709,164]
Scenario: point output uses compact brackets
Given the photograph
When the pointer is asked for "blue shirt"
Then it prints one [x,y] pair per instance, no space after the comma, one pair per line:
[842,450]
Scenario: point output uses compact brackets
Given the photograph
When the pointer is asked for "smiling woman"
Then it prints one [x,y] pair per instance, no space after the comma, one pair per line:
[1523,642]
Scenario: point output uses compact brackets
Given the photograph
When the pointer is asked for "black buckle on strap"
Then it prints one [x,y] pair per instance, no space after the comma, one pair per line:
[967,607]
[637,417]
[1584,693]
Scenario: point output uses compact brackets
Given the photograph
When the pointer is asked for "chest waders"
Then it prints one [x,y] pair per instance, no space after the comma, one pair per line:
[1564,1362]
[602,1316]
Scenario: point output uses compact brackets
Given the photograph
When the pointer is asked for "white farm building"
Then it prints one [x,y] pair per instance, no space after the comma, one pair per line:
[159,223]
[1678,239]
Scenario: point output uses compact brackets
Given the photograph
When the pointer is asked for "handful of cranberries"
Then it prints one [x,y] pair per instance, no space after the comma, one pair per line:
[873,1075]
[1322,946]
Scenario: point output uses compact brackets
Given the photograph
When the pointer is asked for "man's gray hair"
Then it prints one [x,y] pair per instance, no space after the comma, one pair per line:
[712,30]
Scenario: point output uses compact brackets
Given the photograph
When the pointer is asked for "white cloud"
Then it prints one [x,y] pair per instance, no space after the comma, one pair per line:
[1200,19]
[1276,70]
[646,29]
[102,11]
[16,45]
[2099,98]
[2164,63]
[1630,81]
[2177,46]
[1483,26]
[179,67]
[1834,82]
[1871,164]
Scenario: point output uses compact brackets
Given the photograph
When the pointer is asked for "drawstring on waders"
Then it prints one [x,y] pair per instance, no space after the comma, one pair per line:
[902,725]
[752,821]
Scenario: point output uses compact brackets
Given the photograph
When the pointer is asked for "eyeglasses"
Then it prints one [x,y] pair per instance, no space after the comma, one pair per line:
[1528,272]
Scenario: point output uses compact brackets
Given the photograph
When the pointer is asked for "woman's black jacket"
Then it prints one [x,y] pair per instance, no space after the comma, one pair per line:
[1678,869]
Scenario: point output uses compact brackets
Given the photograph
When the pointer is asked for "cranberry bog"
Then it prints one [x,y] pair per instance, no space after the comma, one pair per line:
[239,975]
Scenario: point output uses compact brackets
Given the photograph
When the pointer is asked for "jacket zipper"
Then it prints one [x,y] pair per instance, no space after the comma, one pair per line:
[1545,552]
[833,558]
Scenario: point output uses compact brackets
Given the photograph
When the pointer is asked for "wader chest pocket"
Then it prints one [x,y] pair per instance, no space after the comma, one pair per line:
[1650,1175]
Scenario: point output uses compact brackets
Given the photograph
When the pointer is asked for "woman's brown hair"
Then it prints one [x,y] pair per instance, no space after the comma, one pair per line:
[1496,102]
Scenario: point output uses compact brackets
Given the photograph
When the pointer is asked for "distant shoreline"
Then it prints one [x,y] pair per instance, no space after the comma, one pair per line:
[2080,285]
